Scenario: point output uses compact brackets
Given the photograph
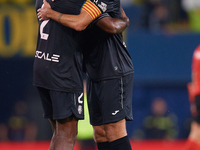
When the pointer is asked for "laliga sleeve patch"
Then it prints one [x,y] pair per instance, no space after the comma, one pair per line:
[91,9]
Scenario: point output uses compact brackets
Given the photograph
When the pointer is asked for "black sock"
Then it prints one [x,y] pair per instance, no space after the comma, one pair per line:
[121,144]
[103,146]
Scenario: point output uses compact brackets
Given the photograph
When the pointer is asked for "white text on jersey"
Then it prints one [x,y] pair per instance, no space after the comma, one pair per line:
[46,56]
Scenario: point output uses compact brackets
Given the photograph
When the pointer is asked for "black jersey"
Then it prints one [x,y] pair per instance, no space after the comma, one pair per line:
[58,58]
[105,55]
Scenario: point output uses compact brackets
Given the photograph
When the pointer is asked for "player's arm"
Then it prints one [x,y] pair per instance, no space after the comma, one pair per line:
[114,25]
[81,21]
[77,22]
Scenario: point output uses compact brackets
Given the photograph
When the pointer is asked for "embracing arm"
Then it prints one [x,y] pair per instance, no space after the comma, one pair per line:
[81,21]
[77,22]
[114,25]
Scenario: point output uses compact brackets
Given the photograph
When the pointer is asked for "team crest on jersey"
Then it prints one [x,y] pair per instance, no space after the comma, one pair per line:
[115,68]
[103,6]
[80,109]
[96,1]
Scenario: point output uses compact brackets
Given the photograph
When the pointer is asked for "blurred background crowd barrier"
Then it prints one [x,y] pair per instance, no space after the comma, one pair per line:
[161,39]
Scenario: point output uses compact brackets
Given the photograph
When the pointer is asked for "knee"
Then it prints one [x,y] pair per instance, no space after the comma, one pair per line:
[116,130]
[110,130]
[99,134]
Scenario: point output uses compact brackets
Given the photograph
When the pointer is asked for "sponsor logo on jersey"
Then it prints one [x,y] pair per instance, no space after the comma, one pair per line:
[103,6]
[46,56]
[116,111]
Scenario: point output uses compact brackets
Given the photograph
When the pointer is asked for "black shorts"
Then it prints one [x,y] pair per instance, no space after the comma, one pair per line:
[61,105]
[197,103]
[110,100]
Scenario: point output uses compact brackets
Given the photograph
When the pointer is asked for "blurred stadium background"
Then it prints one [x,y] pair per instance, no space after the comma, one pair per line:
[161,39]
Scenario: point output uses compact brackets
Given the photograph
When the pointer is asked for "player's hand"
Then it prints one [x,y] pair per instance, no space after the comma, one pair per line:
[43,12]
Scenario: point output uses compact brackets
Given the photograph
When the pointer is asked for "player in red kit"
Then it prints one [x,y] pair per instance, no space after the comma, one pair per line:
[193,141]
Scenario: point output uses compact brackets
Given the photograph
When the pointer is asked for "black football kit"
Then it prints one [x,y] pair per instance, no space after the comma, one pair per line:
[110,71]
[58,58]
[105,55]
[57,69]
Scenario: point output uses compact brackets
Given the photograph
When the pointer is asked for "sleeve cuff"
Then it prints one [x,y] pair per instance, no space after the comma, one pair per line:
[100,17]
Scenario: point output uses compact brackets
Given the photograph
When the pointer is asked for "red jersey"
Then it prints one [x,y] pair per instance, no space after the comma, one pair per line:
[194,86]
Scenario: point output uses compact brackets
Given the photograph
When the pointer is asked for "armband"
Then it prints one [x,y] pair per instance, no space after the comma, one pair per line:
[91,9]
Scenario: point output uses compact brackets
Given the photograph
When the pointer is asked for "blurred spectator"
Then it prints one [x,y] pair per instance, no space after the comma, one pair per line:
[158,19]
[193,141]
[155,16]
[126,3]
[3,132]
[192,7]
[19,127]
[30,131]
[161,16]
[160,124]
[17,121]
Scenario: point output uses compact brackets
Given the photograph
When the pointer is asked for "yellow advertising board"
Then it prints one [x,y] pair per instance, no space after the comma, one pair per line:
[18,30]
